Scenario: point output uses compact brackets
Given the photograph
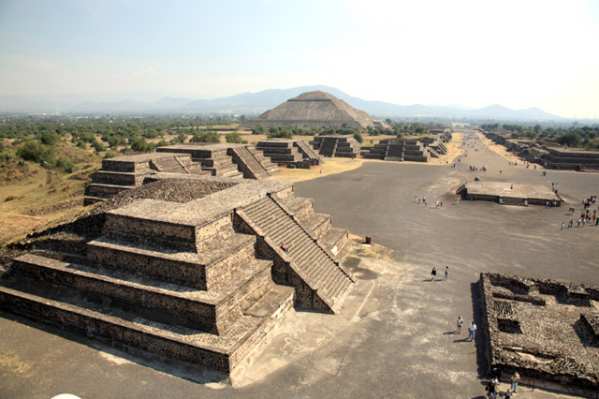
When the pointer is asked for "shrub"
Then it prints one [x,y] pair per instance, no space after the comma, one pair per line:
[234,138]
[37,152]
[206,137]
[358,137]
[279,134]
[49,138]
[98,146]
[66,164]
[139,144]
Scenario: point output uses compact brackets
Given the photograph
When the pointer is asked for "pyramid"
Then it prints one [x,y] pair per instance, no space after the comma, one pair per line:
[315,109]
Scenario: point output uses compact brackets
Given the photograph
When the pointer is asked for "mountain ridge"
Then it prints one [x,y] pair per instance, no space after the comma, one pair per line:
[255,103]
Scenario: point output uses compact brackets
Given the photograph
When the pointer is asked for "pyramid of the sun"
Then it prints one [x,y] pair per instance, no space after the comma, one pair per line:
[314,109]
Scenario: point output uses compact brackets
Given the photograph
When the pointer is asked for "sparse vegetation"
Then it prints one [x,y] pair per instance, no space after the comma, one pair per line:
[573,135]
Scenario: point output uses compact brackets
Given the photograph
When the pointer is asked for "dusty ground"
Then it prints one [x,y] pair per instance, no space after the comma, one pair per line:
[502,151]
[329,166]
[394,336]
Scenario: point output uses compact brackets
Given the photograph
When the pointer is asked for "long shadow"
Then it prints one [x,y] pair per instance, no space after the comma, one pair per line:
[481,338]
[180,369]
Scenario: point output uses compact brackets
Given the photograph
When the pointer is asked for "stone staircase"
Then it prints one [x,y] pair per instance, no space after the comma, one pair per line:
[308,152]
[315,266]
[266,163]
[248,164]
[336,146]
[318,224]
[198,294]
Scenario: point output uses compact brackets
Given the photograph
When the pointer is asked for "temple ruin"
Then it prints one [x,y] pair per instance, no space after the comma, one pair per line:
[289,153]
[221,160]
[336,145]
[195,269]
[545,330]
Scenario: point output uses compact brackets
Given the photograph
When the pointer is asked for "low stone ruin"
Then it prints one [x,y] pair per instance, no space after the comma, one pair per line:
[398,150]
[129,171]
[195,270]
[336,146]
[218,160]
[289,153]
[545,330]
[509,193]
[227,160]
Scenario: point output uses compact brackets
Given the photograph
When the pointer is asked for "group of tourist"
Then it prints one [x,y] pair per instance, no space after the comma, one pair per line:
[438,203]
[587,217]
[493,386]
[472,168]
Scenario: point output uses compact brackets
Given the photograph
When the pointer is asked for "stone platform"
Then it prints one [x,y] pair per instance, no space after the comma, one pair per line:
[509,193]
[198,270]
[289,153]
[546,330]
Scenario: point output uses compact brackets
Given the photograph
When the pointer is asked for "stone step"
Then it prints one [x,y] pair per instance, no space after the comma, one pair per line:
[103,190]
[313,265]
[90,200]
[203,271]
[214,311]
[132,333]
[118,178]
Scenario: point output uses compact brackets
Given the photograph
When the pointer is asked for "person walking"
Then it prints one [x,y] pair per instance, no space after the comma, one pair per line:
[433,273]
[459,324]
[515,380]
[446,272]
[472,332]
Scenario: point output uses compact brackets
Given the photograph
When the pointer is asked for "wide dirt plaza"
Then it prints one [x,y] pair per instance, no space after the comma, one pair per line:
[395,335]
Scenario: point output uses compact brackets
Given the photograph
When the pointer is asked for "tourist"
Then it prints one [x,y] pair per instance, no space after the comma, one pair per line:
[492,388]
[446,272]
[433,273]
[472,331]
[459,324]
[571,223]
[563,226]
[515,380]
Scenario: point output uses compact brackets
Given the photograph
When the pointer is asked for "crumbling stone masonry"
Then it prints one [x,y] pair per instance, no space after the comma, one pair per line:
[544,329]
[197,270]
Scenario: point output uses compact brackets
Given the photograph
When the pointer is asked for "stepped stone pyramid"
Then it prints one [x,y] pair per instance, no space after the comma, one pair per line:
[227,160]
[129,171]
[315,109]
[196,270]
[336,145]
[399,150]
[290,153]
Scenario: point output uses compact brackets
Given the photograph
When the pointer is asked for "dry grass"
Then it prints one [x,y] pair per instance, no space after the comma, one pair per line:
[39,200]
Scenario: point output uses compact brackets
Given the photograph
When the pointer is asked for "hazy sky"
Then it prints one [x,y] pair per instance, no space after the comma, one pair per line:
[520,53]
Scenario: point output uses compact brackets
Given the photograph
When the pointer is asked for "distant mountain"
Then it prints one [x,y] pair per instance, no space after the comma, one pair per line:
[258,102]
